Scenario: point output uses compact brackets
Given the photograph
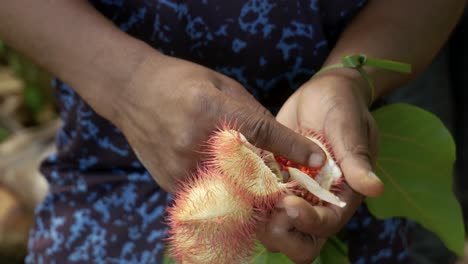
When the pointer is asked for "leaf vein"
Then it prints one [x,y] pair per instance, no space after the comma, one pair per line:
[402,191]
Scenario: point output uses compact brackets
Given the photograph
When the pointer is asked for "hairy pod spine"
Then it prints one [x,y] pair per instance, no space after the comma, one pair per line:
[210,221]
[246,165]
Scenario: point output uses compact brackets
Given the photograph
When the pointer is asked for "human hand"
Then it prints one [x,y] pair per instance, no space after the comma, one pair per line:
[171,106]
[335,105]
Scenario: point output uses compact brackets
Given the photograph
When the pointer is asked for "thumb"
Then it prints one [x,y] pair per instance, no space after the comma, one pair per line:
[354,144]
[265,132]
[360,176]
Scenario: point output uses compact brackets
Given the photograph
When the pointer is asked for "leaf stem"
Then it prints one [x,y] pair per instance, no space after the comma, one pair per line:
[358,61]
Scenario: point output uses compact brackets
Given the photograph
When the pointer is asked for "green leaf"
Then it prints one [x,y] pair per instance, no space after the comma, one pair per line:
[415,163]
[167,259]
[14,62]
[263,256]
[3,134]
[388,65]
[2,49]
[33,98]
[334,252]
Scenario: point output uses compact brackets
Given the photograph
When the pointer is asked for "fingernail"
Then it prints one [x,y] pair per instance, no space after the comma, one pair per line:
[315,160]
[372,175]
[292,212]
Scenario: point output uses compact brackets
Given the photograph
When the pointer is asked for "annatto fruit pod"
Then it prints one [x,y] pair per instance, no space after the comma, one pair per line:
[210,222]
[232,155]
[317,185]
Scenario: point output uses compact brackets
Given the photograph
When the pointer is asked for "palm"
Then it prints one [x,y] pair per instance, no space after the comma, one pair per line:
[333,107]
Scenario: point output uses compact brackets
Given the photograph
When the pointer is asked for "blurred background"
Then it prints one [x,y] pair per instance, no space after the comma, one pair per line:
[443,90]
[29,121]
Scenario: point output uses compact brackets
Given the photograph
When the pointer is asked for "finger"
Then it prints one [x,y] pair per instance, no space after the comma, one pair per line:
[353,201]
[277,225]
[287,115]
[350,142]
[266,133]
[321,221]
[374,139]
[360,176]
[236,91]
[280,235]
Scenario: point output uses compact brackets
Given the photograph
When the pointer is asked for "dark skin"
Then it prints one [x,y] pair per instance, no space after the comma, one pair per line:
[154,98]
[151,97]
[355,147]
[188,103]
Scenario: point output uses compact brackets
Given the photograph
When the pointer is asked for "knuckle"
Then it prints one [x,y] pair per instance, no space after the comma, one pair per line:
[230,86]
[201,98]
[297,149]
[263,112]
[337,220]
[261,130]
[183,141]
[196,90]
[361,151]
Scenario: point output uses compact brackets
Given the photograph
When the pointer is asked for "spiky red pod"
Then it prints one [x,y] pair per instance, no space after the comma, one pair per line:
[232,155]
[214,216]
[210,222]
[331,174]
[328,178]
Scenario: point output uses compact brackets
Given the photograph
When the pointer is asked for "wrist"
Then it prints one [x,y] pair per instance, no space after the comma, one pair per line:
[349,79]
[109,93]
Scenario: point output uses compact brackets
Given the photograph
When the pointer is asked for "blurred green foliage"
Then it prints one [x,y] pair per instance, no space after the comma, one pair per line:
[2,49]
[38,104]
[38,94]
[3,134]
